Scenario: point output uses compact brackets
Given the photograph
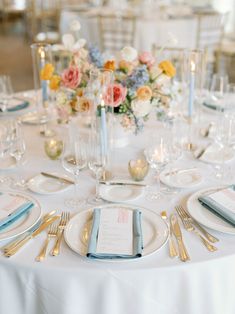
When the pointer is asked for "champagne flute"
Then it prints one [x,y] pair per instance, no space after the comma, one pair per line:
[96,164]
[73,161]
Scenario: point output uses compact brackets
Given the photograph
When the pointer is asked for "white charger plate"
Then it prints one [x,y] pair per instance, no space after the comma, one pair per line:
[44,185]
[205,216]
[181,180]
[154,229]
[215,155]
[25,222]
[117,193]
[33,118]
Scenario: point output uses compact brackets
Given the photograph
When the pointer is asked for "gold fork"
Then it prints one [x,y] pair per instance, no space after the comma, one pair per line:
[189,227]
[63,221]
[172,248]
[207,235]
[52,231]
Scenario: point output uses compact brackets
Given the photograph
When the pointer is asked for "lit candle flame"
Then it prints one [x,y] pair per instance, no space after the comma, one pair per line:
[42,54]
[193,66]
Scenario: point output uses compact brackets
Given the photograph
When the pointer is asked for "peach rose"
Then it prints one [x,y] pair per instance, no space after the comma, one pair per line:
[47,72]
[55,82]
[146,58]
[126,66]
[115,95]
[144,93]
[84,104]
[71,77]
[167,68]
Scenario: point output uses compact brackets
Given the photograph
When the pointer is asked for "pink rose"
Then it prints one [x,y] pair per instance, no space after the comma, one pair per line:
[115,95]
[71,77]
[146,58]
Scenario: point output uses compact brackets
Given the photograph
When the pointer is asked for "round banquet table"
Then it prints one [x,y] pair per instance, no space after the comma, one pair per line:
[71,284]
[151,29]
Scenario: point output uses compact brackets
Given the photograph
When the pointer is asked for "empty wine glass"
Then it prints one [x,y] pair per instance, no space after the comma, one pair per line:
[96,164]
[6,92]
[158,157]
[217,91]
[74,159]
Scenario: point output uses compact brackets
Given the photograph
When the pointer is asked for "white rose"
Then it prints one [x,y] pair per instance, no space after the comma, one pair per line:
[163,80]
[75,26]
[61,99]
[68,41]
[141,107]
[129,54]
[79,44]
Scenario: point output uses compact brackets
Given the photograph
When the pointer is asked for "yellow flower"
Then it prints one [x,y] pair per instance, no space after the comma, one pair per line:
[47,72]
[55,82]
[167,68]
[110,65]
[79,92]
[85,104]
[144,93]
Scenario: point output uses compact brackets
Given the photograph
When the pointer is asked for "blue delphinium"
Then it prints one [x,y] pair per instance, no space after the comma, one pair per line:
[138,78]
[95,56]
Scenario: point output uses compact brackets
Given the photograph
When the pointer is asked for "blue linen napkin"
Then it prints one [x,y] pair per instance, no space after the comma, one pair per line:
[19,106]
[137,238]
[15,215]
[217,208]
[213,106]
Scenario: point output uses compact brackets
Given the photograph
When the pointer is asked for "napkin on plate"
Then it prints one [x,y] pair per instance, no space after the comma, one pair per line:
[212,106]
[221,203]
[119,218]
[12,208]
[16,104]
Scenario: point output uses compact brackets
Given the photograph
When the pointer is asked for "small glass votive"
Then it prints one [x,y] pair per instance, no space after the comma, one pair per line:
[53,148]
[138,169]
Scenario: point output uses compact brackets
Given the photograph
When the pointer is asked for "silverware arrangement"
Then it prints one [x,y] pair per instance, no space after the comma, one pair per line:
[172,247]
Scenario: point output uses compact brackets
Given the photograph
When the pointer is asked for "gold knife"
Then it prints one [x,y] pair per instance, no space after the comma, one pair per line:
[177,232]
[18,245]
[49,175]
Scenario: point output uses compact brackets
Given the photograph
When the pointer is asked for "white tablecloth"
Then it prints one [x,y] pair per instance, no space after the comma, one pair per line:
[149,30]
[70,284]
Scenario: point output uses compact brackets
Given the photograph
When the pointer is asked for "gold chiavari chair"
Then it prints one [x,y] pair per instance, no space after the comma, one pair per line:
[116,31]
[11,8]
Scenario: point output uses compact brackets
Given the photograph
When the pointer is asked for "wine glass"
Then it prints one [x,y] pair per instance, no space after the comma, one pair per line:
[158,157]
[96,164]
[6,92]
[17,151]
[73,161]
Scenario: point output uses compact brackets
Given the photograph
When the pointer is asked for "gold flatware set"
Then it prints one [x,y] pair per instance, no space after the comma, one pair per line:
[55,230]
[190,225]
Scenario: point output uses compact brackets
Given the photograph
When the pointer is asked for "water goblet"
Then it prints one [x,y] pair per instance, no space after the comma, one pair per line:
[158,157]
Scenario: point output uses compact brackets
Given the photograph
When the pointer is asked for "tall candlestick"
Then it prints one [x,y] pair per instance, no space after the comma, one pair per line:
[43,82]
[191,89]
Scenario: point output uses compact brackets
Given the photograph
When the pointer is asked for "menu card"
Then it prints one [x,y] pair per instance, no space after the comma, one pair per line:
[9,203]
[226,198]
[115,234]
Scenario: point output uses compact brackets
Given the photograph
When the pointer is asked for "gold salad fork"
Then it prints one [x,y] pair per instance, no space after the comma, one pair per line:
[52,232]
[65,216]
[189,227]
[172,248]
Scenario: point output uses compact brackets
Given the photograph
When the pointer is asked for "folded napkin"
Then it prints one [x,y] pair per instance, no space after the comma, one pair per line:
[137,244]
[221,203]
[213,106]
[12,208]
[16,104]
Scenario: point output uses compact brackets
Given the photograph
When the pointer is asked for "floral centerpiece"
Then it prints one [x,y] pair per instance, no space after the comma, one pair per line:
[140,83]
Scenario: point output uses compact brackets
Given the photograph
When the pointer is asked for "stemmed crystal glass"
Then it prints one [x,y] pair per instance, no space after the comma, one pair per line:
[96,164]
[17,151]
[6,92]
[157,156]
[74,159]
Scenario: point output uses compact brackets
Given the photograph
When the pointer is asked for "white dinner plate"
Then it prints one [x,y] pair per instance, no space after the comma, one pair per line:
[44,185]
[7,163]
[216,155]
[25,222]
[181,179]
[117,193]
[205,216]
[154,229]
